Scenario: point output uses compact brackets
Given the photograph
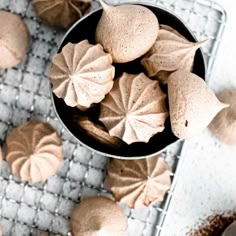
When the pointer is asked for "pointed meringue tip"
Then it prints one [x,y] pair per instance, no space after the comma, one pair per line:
[104,5]
[200,43]
[224,105]
[204,41]
[147,64]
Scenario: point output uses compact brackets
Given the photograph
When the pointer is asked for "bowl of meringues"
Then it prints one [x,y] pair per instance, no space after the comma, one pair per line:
[128,81]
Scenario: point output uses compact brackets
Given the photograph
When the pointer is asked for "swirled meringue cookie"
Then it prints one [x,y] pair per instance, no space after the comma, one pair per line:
[135,108]
[82,74]
[34,151]
[98,216]
[62,13]
[139,183]
[223,125]
[169,53]
[126,31]
[99,133]
[192,104]
[14,39]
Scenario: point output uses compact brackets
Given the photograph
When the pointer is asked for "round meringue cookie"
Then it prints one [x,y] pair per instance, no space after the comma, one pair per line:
[34,151]
[127,31]
[135,109]
[98,216]
[82,74]
[223,126]
[139,183]
[14,40]
[61,13]
[192,104]
[169,53]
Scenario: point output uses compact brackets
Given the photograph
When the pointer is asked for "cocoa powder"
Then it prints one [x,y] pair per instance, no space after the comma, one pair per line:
[215,225]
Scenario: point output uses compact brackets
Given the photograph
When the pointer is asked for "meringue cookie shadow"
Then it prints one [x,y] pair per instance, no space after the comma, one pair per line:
[85,28]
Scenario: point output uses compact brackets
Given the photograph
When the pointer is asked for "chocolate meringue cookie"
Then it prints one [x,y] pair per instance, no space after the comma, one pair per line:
[126,31]
[34,151]
[223,125]
[230,230]
[98,216]
[135,108]
[192,104]
[82,74]
[169,53]
[175,34]
[62,13]
[14,39]
[139,183]
[168,33]
[99,133]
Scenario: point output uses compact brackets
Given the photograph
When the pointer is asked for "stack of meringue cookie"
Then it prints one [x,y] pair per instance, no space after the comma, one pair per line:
[134,107]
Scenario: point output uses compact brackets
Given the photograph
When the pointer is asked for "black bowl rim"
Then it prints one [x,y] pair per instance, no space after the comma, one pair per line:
[51,92]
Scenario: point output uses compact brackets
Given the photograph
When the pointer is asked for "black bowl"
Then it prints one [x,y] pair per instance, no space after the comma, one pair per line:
[85,29]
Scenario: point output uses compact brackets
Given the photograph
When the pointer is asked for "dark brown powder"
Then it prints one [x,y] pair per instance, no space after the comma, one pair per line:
[215,225]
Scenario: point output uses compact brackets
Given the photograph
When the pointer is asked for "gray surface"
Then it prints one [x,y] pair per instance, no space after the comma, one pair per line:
[24,95]
[207,183]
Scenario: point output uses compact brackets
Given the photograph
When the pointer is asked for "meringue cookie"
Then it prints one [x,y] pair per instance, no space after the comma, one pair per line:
[230,230]
[174,36]
[192,104]
[98,216]
[169,53]
[62,13]
[34,151]
[14,39]
[135,108]
[139,183]
[82,74]
[99,133]
[223,125]
[126,31]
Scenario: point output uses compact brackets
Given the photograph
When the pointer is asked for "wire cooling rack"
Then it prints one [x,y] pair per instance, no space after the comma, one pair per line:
[27,209]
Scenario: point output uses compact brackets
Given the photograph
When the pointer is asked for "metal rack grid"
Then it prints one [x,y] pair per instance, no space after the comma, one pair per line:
[24,94]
